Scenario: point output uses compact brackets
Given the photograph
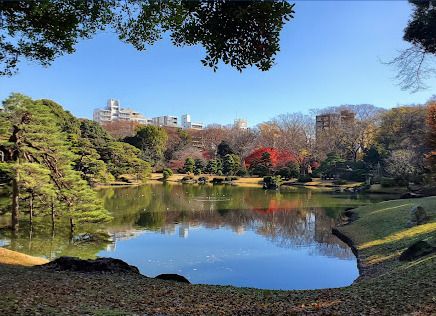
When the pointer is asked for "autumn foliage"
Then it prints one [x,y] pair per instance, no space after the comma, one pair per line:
[431,138]
[278,157]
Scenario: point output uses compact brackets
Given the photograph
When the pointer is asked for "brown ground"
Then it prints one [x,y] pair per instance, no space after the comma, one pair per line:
[16,258]
[386,286]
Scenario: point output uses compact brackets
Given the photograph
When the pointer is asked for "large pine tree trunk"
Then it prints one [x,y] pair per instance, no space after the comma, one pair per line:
[52,218]
[31,211]
[71,228]
[15,205]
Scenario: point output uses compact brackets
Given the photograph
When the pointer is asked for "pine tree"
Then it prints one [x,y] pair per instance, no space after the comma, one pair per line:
[33,139]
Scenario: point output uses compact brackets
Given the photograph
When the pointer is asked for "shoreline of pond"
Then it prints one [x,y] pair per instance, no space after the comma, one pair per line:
[386,286]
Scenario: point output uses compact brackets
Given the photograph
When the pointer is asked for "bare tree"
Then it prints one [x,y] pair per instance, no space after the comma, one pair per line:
[415,66]
[417,63]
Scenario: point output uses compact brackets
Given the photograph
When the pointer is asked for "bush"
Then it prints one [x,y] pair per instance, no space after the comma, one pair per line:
[203,180]
[232,178]
[340,182]
[305,178]
[261,171]
[166,173]
[388,182]
[355,175]
[242,173]
[187,178]
[197,172]
[272,183]
[288,172]
[391,182]
[124,179]
[217,180]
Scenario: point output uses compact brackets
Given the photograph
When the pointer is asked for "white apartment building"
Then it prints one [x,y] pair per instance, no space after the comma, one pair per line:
[240,124]
[114,112]
[166,120]
[188,124]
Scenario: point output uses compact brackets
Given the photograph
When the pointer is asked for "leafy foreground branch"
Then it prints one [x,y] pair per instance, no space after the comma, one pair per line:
[386,286]
[238,33]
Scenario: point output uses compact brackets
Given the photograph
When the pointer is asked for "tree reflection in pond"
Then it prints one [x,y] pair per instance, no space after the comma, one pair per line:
[179,228]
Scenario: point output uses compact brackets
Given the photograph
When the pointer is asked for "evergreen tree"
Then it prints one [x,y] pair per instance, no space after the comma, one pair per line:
[32,142]
[189,165]
[212,166]
[151,140]
[228,164]
[199,165]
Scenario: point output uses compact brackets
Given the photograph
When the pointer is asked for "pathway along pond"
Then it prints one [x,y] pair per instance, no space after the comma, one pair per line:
[225,235]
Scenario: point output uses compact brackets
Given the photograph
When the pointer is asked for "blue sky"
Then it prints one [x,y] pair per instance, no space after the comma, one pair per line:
[330,54]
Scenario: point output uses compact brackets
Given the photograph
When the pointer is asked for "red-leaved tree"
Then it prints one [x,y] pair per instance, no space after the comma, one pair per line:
[278,157]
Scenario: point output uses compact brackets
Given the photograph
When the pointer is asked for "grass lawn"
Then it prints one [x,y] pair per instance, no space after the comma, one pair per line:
[177,177]
[386,285]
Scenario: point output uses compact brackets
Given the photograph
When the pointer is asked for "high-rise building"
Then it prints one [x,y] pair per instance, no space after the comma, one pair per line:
[113,112]
[166,120]
[328,121]
[188,124]
[240,124]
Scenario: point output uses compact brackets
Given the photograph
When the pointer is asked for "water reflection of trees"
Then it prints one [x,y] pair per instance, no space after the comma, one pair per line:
[298,218]
[286,219]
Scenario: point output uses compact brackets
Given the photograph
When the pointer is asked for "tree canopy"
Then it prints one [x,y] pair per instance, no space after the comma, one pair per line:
[238,33]
[417,63]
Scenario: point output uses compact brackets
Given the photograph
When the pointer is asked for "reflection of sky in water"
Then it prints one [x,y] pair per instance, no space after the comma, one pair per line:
[222,256]
[212,234]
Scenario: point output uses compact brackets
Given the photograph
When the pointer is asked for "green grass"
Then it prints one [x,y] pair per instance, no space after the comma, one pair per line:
[382,228]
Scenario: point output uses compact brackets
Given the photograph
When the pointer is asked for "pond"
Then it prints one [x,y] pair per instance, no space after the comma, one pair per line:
[224,235]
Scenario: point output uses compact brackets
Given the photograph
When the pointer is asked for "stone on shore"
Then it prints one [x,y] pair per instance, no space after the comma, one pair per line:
[173,277]
[98,265]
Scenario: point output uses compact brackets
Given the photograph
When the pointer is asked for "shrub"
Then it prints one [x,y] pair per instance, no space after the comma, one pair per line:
[272,182]
[217,180]
[304,178]
[291,171]
[340,182]
[203,180]
[187,178]
[166,173]
[241,173]
[388,182]
[197,172]
[124,179]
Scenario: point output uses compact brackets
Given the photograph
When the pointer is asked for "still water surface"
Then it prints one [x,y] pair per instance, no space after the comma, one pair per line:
[223,235]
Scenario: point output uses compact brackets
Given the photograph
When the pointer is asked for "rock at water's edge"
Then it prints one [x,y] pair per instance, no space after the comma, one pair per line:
[173,277]
[97,265]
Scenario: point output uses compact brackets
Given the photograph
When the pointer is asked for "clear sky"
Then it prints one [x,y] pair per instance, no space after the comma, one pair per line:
[330,55]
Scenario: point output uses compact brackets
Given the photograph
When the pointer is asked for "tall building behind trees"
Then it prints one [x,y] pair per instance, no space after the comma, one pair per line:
[328,121]
[113,112]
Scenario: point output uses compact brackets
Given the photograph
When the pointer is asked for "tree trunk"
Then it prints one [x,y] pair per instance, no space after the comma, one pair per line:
[31,211]
[71,228]
[52,217]
[15,205]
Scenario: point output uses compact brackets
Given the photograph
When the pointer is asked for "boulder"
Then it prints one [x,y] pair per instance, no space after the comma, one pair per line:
[98,265]
[417,250]
[173,277]
[411,195]
[418,216]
